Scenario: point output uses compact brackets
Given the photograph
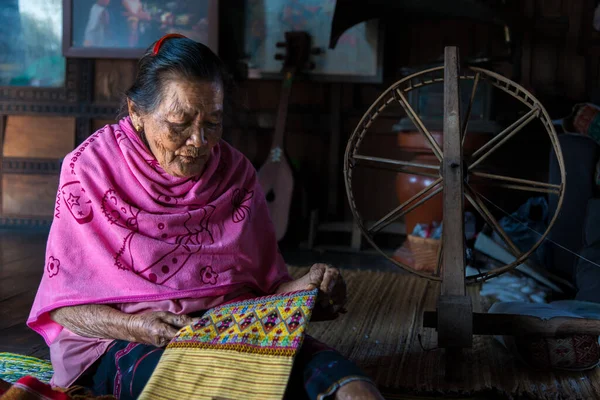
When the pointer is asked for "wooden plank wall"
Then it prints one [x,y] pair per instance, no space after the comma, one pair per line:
[32,193]
[555,59]
[39,137]
[553,65]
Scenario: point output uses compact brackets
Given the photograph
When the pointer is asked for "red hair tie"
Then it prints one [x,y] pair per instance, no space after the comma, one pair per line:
[162,39]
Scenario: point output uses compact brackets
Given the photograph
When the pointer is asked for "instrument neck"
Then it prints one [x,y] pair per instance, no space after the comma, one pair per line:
[284,98]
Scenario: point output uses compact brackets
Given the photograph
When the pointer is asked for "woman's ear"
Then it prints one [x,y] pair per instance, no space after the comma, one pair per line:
[136,120]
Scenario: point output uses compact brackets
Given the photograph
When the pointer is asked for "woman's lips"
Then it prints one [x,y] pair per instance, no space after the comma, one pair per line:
[190,159]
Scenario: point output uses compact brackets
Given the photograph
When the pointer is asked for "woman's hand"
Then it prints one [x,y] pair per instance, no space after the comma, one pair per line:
[332,290]
[156,328]
[103,321]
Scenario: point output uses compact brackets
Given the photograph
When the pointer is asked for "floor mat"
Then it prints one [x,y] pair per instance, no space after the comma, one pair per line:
[382,332]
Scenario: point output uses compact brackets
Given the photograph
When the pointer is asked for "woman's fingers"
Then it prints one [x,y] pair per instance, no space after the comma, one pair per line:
[338,294]
[181,321]
[177,320]
[311,280]
[169,332]
[329,279]
[158,333]
[332,288]
[315,276]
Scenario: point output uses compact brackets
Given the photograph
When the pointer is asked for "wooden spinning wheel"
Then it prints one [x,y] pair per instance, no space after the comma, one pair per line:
[454,319]
[452,165]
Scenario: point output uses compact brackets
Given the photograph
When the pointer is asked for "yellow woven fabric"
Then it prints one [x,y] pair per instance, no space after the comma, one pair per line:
[242,350]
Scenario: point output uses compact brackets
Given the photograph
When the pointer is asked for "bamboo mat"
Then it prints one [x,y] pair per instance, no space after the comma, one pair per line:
[380,333]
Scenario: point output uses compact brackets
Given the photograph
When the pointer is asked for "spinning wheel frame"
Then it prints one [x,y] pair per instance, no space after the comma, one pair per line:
[397,93]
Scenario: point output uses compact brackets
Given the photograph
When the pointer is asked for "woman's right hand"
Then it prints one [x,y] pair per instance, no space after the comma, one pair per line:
[156,328]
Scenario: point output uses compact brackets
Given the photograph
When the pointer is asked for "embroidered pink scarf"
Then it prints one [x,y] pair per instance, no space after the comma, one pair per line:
[125,231]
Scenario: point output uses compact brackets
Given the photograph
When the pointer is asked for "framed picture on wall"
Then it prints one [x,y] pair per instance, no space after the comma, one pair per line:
[357,57]
[30,44]
[126,28]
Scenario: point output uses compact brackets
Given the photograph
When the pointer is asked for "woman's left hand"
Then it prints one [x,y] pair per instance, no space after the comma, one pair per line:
[332,298]
[332,290]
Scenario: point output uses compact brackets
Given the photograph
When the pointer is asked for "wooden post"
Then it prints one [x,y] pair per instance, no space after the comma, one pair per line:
[356,242]
[83,129]
[3,119]
[335,128]
[455,312]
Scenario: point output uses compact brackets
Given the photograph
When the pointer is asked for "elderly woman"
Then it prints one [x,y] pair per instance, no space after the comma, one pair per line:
[157,220]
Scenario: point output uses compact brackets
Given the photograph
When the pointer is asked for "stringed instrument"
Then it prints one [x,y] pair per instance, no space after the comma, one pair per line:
[276,176]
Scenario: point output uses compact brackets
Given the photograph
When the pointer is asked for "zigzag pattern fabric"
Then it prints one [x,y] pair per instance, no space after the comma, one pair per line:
[242,350]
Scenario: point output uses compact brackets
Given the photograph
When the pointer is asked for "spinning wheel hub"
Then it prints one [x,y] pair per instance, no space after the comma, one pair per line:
[453,165]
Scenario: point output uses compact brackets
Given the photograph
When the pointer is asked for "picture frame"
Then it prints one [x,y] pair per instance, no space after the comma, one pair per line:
[357,57]
[89,25]
[30,47]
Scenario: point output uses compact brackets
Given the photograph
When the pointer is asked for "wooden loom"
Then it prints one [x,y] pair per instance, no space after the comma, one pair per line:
[454,319]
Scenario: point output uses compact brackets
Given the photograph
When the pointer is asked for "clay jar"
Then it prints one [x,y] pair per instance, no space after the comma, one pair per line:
[415,148]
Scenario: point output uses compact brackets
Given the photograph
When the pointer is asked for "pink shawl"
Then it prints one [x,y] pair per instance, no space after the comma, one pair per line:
[125,231]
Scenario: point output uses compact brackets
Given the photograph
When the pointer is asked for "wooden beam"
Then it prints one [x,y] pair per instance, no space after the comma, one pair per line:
[452,172]
[36,166]
[356,241]
[334,149]
[523,325]
[2,135]
[528,7]
[454,306]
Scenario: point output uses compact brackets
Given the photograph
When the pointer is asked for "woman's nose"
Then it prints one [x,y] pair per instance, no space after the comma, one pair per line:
[197,139]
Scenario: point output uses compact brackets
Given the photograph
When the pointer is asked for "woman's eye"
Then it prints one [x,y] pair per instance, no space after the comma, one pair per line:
[180,127]
[212,125]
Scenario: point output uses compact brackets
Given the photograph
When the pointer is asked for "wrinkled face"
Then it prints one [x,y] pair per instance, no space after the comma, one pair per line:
[184,128]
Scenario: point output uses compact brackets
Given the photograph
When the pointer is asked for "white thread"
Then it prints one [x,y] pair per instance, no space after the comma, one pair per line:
[540,234]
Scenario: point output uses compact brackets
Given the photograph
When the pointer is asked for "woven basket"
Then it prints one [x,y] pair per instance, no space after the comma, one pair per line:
[425,252]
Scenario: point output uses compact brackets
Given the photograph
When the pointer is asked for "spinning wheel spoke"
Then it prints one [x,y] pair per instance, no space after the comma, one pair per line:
[523,188]
[401,98]
[396,165]
[485,151]
[519,184]
[482,209]
[469,107]
[440,258]
[404,208]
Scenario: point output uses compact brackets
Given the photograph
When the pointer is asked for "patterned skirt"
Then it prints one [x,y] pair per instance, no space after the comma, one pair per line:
[126,367]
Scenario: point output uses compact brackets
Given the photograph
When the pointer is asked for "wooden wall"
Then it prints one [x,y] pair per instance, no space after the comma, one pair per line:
[555,64]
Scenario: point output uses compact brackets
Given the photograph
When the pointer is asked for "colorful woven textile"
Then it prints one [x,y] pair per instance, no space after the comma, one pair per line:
[586,120]
[574,352]
[30,388]
[242,350]
[15,366]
